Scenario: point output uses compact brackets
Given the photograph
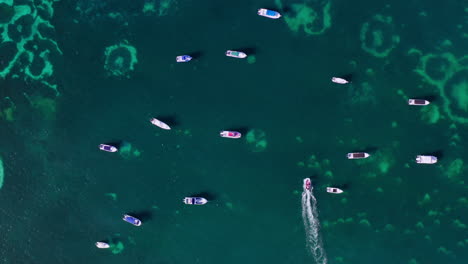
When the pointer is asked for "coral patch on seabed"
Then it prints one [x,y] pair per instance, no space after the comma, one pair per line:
[450,76]
[378,36]
[313,17]
[24,41]
[120,59]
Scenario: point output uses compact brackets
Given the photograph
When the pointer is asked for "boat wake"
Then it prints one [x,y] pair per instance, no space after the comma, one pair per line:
[312,224]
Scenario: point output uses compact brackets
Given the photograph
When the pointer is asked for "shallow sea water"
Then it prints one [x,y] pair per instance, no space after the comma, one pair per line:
[60,194]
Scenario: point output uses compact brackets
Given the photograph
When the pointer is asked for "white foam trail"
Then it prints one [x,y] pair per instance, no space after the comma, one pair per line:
[312,225]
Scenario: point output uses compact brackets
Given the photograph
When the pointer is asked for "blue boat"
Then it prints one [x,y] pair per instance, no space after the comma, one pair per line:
[268,13]
[132,220]
[183,58]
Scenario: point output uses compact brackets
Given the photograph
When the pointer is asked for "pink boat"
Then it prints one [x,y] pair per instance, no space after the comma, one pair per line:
[230,134]
[307,184]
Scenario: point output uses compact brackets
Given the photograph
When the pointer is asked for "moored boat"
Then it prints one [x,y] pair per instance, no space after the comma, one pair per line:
[183,58]
[108,148]
[268,13]
[418,102]
[236,54]
[159,123]
[339,80]
[230,134]
[195,200]
[426,159]
[334,190]
[132,220]
[358,155]
[101,244]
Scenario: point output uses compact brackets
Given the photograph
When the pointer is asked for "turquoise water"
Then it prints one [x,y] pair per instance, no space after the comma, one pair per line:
[60,194]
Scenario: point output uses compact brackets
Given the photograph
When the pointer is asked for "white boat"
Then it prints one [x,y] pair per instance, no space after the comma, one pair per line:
[230,134]
[195,200]
[101,244]
[307,184]
[334,190]
[159,123]
[339,80]
[236,54]
[418,102]
[358,155]
[107,148]
[423,159]
[268,13]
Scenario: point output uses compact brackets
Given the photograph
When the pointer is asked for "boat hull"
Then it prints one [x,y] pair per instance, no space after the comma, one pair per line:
[358,155]
[334,190]
[107,148]
[423,159]
[236,54]
[307,184]
[195,200]
[183,58]
[268,13]
[230,134]
[101,244]
[132,220]
[420,102]
[339,80]
[159,123]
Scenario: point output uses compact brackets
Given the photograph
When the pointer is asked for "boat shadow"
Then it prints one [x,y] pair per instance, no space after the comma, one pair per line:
[196,54]
[143,215]
[438,153]
[248,50]
[171,120]
[242,129]
[210,196]
[430,97]
[116,143]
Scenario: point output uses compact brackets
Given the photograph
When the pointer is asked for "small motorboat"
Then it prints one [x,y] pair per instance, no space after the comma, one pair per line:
[183,58]
[339,80]
[334,190]
[236,54]
[422,159]
[101,244]
[195,200]
[230,134]
[159,123]
[307,184]
[358,155]
[418,102]
[107,148]
[132,220]
[268,13]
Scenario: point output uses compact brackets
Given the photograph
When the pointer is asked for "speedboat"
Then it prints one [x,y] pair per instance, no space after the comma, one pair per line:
[132,220]
[101,244]
[268,13]
[195,200]
[307,184]
[339,80]
[230,134]
[334,190]
[422,159]
[183,58]
[236,54]
[358,155]
[107,148]
[418,102]
[159,123]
